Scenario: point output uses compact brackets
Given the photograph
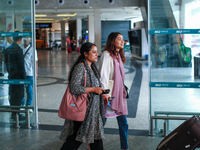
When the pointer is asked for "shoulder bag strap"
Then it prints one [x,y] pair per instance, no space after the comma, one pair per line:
[85,78]
[27,51]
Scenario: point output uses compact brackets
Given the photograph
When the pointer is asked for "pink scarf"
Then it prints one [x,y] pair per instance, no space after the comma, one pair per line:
[119,104]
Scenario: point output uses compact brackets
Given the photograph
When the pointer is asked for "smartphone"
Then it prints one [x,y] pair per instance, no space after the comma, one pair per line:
[111,98]
[106,91]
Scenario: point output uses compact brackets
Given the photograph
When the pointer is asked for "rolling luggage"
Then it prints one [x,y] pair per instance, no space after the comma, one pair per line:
[184,137]
[78,49]
[69,49]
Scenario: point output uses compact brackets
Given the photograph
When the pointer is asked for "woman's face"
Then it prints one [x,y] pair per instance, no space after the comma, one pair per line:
[119,42]
[92,56]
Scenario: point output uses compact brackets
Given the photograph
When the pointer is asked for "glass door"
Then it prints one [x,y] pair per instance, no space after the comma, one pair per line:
[18,59]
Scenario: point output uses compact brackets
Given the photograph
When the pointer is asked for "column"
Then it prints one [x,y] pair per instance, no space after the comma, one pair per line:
[97,29]
[10,19]
[63,37]
[91,29]
[78,30]
[19,24]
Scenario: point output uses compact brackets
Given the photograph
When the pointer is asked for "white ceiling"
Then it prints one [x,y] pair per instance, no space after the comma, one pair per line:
[122,13]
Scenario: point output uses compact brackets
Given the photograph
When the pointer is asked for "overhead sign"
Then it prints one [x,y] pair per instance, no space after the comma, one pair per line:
[15,34]
[174,31]
[174,85]
[15,81]
[43,25]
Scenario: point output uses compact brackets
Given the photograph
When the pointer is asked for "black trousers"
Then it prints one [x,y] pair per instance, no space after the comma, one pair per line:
[16,93]
[72,144]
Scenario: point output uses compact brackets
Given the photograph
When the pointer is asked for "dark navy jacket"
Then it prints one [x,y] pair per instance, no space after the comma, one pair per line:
[14,61]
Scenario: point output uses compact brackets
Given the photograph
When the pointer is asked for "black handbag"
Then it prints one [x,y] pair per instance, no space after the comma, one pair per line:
[126,88]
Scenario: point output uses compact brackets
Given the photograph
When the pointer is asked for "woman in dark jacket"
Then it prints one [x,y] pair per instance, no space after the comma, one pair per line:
[91,129]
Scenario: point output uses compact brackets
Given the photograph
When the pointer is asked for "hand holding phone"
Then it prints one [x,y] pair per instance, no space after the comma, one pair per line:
[111,98]
[106,91]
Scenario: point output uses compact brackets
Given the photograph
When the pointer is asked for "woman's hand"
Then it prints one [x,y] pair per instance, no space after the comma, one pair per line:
[98,90]
[105,99]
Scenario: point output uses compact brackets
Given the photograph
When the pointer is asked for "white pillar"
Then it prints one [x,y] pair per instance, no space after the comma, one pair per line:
[10,19]
[91,29]
[97,29]
[132,24]
[19,23]
[78,30]
[63,37]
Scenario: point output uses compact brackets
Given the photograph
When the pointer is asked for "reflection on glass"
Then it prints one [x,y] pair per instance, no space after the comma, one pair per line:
[169,51]
[15,27]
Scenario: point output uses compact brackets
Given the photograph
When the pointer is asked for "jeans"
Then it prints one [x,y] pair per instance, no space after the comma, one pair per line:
[29,93]
[123,131]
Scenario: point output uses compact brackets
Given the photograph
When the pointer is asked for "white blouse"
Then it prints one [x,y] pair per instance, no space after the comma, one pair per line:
[106,69]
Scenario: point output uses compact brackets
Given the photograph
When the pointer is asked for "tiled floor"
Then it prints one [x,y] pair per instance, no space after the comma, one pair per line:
[51,83]
[24,139]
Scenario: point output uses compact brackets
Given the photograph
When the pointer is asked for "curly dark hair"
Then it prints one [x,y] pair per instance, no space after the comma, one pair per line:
[110,47]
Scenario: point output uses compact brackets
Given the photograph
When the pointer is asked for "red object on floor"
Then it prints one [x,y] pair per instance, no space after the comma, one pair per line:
[78,49]
[69,49]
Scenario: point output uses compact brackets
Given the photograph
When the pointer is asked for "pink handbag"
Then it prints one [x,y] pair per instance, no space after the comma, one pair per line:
[72,107]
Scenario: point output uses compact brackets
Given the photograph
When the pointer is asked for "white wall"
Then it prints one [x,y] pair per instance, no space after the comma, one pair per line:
[57,26]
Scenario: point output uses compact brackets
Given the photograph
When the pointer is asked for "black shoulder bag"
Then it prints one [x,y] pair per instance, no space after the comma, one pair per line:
[126,88]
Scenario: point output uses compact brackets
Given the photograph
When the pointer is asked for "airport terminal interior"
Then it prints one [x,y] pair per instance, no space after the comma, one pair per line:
[162,69]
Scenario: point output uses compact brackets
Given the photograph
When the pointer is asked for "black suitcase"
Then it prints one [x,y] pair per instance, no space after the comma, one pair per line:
[184,137]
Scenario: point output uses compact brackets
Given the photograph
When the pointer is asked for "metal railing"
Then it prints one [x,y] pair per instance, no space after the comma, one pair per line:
[165,118]
[10,109]
[167,113]
[168,117]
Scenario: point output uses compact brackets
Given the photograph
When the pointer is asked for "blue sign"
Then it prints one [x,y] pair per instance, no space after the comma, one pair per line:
[174,31]
[15,34]
[174,85]
[15,81]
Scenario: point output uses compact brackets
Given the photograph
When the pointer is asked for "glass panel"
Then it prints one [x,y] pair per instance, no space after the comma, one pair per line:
[174,60]
[16,60]
[174,14]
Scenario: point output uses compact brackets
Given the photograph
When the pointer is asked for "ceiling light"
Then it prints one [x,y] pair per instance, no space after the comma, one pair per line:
[66,18]
[44,19]
[47,21]
[64,15]
[86,2]
[111,2]
[40,15]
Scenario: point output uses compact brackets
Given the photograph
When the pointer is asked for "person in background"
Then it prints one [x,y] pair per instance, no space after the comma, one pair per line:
[83,40]
[91,130]
[14,62]
[80,41]
[68,41]
[111,69]
[73,43]
[126,42]
[28,52]
[28,63]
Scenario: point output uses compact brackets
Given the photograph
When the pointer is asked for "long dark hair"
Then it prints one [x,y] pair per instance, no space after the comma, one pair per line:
[110,47]
[86,47]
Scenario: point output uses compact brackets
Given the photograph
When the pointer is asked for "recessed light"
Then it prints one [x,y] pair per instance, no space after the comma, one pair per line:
[40,15]
[64,15]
